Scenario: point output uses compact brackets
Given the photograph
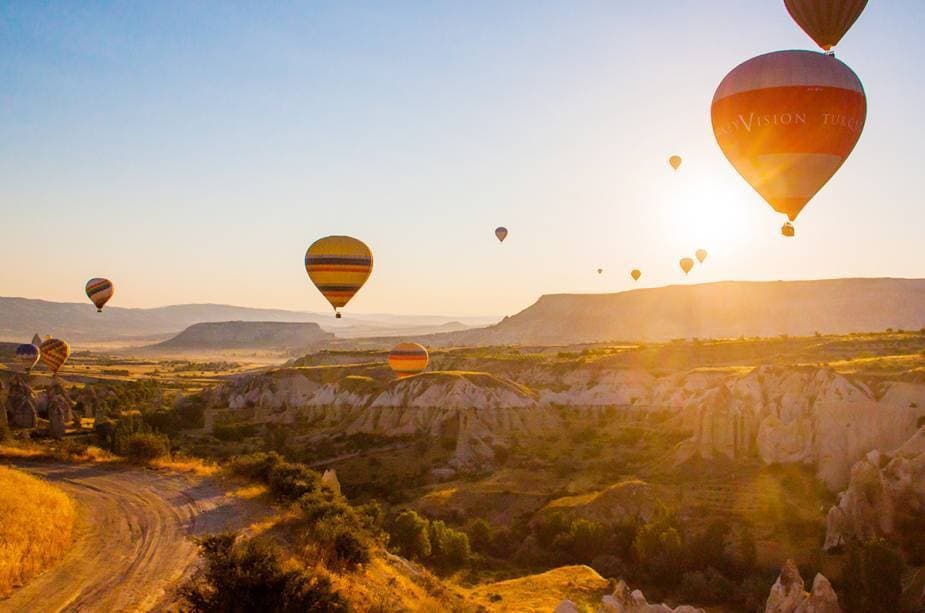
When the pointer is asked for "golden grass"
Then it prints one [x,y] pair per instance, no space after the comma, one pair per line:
[542,592]
[36,528]
[186,464]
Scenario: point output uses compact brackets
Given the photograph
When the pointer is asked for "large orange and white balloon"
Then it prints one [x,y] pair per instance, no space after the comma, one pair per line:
[408,359]
[787,121]
[825,21]
[55,353]
[99,291]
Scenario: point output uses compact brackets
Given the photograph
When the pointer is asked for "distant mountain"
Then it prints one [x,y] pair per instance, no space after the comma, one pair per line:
[712,310]
[247,335]
[20,318]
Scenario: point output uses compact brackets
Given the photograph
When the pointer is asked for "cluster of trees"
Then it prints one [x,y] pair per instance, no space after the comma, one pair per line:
[341,534]
[430,541]
[248,576]
[131,437]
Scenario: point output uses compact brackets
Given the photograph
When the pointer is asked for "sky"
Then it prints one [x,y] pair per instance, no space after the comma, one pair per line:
[191,152]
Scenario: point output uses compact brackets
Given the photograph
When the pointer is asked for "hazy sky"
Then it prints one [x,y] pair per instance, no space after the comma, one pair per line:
[191,151]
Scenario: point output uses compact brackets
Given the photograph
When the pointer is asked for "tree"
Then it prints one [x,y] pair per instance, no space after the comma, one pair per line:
[873,577]
[410,535]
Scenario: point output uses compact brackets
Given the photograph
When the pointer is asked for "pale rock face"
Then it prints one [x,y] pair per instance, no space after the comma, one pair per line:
[566,606]
[611,388]
[881,484]
[329,480]
[21,404]
[788,596]
[59,411]
[624,600]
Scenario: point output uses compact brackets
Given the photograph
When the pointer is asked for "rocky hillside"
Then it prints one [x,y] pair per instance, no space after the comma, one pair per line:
[779,414]
[714,310]
[282,337]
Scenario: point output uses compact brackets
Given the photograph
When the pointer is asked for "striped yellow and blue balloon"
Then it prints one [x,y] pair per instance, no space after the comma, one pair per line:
[28,355]
[55,353]
[338,266]
[407,359]
[99,291]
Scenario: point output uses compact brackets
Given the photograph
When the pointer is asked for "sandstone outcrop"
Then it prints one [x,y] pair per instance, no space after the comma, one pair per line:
[788,594]
[884,489]
[21,404]
[625,600]
[59,412]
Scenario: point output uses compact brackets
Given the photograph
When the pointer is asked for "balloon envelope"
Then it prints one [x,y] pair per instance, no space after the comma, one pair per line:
[635,274]
[55,353]
[408,359]
[600,270]
[99,291]
[825,21]
[686,264]
[787,121]
[701,255]
[28,356]
[338,266]
[501,233]
[675,161]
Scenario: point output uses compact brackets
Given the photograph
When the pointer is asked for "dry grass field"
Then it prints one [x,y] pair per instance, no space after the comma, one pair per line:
[36,529]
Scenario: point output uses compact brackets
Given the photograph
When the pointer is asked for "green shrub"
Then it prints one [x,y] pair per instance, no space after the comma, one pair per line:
[256,465]
[143,447]
[247,577]
[292,481]
[234,432]
[410,536]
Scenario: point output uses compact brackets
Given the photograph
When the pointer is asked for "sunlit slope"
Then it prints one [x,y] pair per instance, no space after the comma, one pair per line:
[713,310]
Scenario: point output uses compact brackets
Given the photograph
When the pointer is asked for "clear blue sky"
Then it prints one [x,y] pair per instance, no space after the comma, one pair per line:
[191,151]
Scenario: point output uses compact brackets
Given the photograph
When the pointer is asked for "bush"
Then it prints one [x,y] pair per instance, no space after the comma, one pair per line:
[233,432]
[410,535]
[248,577]
[292,481]
[143,447]
[256,465]
[707,586]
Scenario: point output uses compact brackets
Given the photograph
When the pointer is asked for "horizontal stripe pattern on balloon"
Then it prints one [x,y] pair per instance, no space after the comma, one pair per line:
[338,266]
[787,121]
[55,353]
[408,359]
[99,291]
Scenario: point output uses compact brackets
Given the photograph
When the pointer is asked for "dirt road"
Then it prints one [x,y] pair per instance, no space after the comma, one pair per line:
[132,544]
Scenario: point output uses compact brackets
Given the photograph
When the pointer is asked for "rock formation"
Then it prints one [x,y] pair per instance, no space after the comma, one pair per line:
[788,596]
[884,488]
[624,600]
[21,403]
[59,410]
[329,480]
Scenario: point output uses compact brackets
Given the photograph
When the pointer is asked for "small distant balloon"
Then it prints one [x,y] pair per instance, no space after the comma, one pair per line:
[635,274]
[825,21]
[55,353]
[701,255]
[501,233]
[408,359]
[686,264]
[338,266]
[675,161]
[99,291]
[600,270]
[28,356]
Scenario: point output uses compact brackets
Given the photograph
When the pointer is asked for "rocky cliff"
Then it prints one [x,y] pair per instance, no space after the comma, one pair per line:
[247,335]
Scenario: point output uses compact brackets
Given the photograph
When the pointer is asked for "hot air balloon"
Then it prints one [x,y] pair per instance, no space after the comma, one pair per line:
[408,359]
[635,274]
[338,266]
[686,264]
[701,255]
[501,233]
[28,356]
[600,270]
[99,291]
[825,21]
[675,161]
[787,121]
[55,353]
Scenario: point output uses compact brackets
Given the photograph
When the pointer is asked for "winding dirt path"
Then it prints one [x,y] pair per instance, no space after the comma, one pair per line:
[132,543]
